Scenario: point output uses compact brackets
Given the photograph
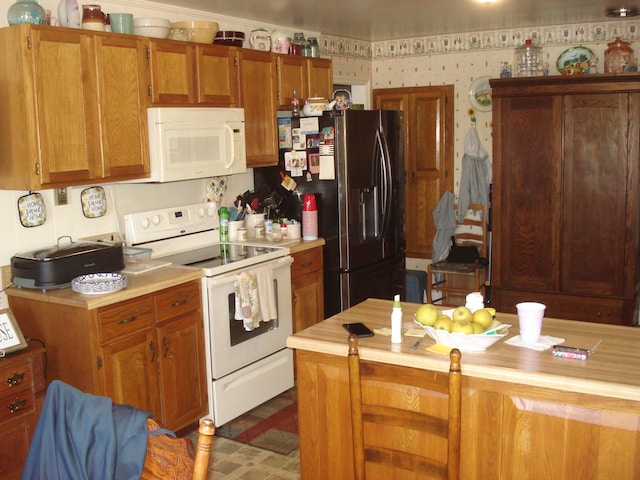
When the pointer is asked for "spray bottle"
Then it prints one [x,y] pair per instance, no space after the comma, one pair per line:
[396,321]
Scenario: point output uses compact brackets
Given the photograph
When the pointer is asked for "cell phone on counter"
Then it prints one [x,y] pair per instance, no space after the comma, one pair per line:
[358,329]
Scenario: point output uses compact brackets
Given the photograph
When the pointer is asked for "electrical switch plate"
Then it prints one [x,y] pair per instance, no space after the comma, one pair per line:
[61,196]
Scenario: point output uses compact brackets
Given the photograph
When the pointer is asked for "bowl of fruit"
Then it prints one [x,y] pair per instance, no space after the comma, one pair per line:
[461,329]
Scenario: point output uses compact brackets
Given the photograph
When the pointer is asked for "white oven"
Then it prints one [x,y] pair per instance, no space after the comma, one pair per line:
[246,367]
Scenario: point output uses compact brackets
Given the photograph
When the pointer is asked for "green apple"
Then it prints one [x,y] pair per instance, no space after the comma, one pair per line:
[443,323]
[427,314]
[462,327]
[462,314]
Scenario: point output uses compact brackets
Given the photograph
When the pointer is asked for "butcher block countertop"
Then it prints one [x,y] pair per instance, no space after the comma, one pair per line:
[611,371]
[137,285]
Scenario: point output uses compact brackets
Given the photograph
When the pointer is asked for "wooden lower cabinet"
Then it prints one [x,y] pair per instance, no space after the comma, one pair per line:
[147,352]
[307,288]
[22,390]
[509,431]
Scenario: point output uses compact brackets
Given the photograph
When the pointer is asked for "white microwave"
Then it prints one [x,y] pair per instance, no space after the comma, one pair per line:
[187,143]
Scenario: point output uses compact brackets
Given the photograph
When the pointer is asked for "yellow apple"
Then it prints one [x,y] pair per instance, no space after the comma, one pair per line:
[443,323]
[462,327]
[427,314]
[483,317]
[477,328]
[462,314]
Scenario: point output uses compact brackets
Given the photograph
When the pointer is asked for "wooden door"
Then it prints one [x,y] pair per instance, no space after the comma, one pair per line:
[173,79]
[596,215]
[320,72]
[217,76]
[428,147]
[129,371]
[527,192]
[292,76]
[123,79]
[258,98]
[183,379]
[66,110]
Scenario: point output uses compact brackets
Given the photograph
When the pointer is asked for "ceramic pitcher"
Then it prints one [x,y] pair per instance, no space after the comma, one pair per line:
[259,39]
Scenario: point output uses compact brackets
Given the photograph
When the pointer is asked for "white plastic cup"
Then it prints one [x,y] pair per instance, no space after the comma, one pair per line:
[530,316]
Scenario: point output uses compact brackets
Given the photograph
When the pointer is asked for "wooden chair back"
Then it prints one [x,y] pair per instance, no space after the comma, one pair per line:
[379,392]
[174,458]
[472,230]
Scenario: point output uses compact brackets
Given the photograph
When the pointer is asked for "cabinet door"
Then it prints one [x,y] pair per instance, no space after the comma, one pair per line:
[595,214]
[66,106]
[292,76]
[527,192]
[320,78]
[183,379]
[307,300]
[428,147]
[217,74]
[258,97]
[129,371]
[173,73]
[123,79]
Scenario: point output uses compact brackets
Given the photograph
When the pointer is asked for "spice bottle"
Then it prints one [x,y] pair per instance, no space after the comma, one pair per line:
[309,217]
[396,320]
[224,224]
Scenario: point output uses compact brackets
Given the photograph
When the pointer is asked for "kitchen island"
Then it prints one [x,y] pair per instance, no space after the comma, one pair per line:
[526,414]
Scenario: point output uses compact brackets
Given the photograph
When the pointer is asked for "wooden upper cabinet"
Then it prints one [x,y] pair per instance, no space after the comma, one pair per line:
[123,79]
[320,77]
[173,79]
[428,147]
[58,87]
[292,75]
[217,75]
[258,98]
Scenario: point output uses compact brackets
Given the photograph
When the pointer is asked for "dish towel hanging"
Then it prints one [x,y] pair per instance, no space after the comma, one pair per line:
[247,302]
[266,292]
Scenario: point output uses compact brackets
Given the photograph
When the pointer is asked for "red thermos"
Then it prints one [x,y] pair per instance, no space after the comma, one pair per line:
[309,217]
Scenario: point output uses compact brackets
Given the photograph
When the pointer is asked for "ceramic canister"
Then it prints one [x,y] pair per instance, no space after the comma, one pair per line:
[259,39]
[279,42]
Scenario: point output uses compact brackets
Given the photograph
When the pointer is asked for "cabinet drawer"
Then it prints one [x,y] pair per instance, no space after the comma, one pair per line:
[306,262]
[17,403]
[125,317]
[178,300]
[16,377]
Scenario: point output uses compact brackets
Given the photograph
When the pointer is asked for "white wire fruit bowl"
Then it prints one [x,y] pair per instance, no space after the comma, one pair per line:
[477,342]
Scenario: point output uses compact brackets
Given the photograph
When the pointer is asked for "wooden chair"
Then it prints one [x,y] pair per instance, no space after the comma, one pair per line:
[382,426]
[456,280]
[174,458]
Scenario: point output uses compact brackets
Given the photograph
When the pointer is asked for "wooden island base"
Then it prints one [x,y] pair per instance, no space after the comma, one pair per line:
[526,415]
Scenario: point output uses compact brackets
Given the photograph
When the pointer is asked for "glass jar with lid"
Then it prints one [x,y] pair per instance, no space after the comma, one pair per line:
[619,57]
[296,43]
[314,47]
[528,60]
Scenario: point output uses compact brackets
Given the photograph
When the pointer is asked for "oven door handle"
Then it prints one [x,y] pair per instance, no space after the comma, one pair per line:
[233,276]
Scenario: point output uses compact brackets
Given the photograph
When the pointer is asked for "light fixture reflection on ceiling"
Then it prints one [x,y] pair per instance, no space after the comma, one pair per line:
[622,12]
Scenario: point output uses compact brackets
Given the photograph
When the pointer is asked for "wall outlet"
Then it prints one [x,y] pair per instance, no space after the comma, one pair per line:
[61,196]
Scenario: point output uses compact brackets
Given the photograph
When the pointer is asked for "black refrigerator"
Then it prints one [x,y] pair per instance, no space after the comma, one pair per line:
[353,161]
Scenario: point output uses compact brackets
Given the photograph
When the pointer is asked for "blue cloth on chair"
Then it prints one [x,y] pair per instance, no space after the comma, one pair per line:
[83,436]
[416,284]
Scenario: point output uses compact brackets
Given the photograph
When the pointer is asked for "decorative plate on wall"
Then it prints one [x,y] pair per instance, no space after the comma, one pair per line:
[94,202]
[480,94]
[32,210]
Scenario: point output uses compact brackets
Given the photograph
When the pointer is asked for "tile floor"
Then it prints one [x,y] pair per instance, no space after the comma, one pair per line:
[231,460]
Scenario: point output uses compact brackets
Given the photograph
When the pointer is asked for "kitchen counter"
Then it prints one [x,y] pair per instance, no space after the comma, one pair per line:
[137,285]
[518,404]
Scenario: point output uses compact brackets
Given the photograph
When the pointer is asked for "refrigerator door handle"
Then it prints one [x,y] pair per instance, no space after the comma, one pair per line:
[386,178]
